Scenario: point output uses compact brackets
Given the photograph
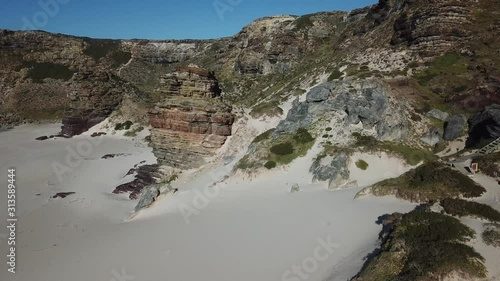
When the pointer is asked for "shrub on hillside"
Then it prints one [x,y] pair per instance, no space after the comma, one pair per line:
[282,148]
[431,181]
[461,208]
[303,136]
[40,71]
[124,126]
[270,165]
[362,164]
[263,136]
[491,236]
[423,245]
[336,74]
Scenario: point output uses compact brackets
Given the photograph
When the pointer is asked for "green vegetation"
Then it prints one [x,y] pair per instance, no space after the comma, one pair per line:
[100,48]
[303,22]
[245,163]
[361,164]
[169,179]
[461,208]
[120,57]
[40,71]
[423,246]
[431,181]
[336,74]
[291,147]
[270,165]
[123,126]
[278,151]
[439,147]
[134,132]
[489,164]
[491,236]
[413,64]
[450,62]
[412,156]
[264,136]
[271,108]
[302,136]
[282,149]
[444,78]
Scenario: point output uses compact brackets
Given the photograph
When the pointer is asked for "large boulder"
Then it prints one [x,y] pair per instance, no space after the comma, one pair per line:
[150,194]
[438,114]
[433,137]
[364,104]
[333,169]
[484,126]
[454,127]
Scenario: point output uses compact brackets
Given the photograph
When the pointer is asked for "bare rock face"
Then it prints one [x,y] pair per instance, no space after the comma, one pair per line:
[93,97]
[145,176]
[365,103]
[191,121]
[484,126]
[432,26]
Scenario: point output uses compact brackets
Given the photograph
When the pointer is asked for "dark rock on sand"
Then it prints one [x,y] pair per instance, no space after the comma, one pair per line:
[62,195]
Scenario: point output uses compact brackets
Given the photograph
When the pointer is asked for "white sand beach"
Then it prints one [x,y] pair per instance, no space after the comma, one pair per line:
[250,230]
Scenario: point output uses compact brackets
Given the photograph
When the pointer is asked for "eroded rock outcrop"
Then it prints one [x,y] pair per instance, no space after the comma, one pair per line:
[94,96]
[334,169]
[484,126]
[358,103]
[454,127]
[145,176]
[434,26]
[191,121]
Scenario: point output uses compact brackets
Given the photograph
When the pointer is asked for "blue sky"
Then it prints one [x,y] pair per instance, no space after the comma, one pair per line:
[154,19]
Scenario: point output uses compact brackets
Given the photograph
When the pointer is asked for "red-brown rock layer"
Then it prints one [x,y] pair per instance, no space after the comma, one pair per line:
[191,121]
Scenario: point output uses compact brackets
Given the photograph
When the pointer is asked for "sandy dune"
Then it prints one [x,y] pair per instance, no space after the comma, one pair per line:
[244,230]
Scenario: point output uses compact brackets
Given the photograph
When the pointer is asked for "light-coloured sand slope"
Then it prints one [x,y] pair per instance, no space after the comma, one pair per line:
[251,230]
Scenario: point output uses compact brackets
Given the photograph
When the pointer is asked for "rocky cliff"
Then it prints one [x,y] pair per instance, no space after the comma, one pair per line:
[191,121]
[93,96]
[446,51]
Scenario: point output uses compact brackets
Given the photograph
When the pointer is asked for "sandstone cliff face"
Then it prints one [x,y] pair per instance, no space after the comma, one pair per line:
[93,96]
[433,26]
[276,44]
[191,121]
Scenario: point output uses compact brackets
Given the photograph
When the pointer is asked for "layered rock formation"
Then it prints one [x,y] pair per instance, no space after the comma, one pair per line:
[93,97]
[191,121]
[433,26]
[145,176]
